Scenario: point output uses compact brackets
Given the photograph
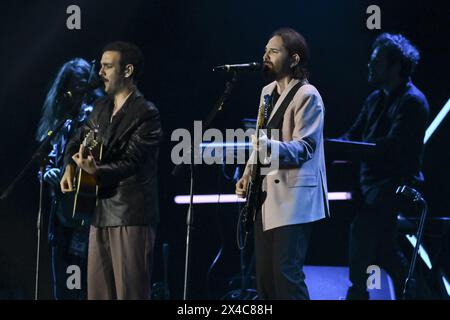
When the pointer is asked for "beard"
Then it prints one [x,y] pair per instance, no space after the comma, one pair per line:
[268,72]
[272,72]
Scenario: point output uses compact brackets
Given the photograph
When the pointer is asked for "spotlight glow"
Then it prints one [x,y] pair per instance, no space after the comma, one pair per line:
[437,121]
[422,253]
[446,285]
[232,198]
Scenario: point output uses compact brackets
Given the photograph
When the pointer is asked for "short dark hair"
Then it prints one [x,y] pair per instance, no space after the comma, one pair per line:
[129,54]
[295,43]
[398,49]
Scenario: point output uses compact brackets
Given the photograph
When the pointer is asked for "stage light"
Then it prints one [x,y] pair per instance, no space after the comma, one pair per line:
[232,198]
[437,121]
[422,253]
[209,198]
[446,285]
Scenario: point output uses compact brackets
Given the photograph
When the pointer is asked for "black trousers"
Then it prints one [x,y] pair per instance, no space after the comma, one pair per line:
[373,240]
[280,256]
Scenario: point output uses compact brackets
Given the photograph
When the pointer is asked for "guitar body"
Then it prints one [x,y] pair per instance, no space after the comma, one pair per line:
[85,198]
[253,201]
[78,206]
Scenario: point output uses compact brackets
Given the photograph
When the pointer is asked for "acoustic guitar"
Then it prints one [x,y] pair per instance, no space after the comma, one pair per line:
[78,206]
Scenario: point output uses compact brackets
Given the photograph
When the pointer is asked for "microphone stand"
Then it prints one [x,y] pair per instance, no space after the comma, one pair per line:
[409,288]
[190,213]
[38,156]
[39,227]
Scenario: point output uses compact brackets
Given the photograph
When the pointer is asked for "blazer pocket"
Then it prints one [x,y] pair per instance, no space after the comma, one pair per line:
[302,180]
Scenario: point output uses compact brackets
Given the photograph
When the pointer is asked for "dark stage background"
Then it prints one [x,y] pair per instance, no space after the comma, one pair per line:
[182,40]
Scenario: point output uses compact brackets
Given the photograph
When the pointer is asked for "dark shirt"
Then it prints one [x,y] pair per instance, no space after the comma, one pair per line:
[275,97]
[127,172]
[397,124]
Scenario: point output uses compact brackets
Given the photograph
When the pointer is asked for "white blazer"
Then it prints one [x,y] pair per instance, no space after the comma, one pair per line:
[297,191]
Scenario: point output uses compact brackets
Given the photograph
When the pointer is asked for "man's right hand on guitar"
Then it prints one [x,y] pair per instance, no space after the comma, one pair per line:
[67,179]
[241,187]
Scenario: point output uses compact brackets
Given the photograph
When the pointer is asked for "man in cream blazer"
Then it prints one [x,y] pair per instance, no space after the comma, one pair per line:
[296,186]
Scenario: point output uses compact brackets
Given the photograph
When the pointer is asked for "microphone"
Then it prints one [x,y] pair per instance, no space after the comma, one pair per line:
[243,67]
[92,85]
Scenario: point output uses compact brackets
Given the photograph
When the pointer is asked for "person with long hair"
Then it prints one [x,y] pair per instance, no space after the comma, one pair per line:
[296,191]
[67,237]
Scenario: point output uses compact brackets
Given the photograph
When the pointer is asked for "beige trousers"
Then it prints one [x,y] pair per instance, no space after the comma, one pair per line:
[120,262]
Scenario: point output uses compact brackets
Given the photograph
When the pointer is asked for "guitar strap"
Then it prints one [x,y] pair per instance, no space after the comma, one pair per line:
[276,122]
